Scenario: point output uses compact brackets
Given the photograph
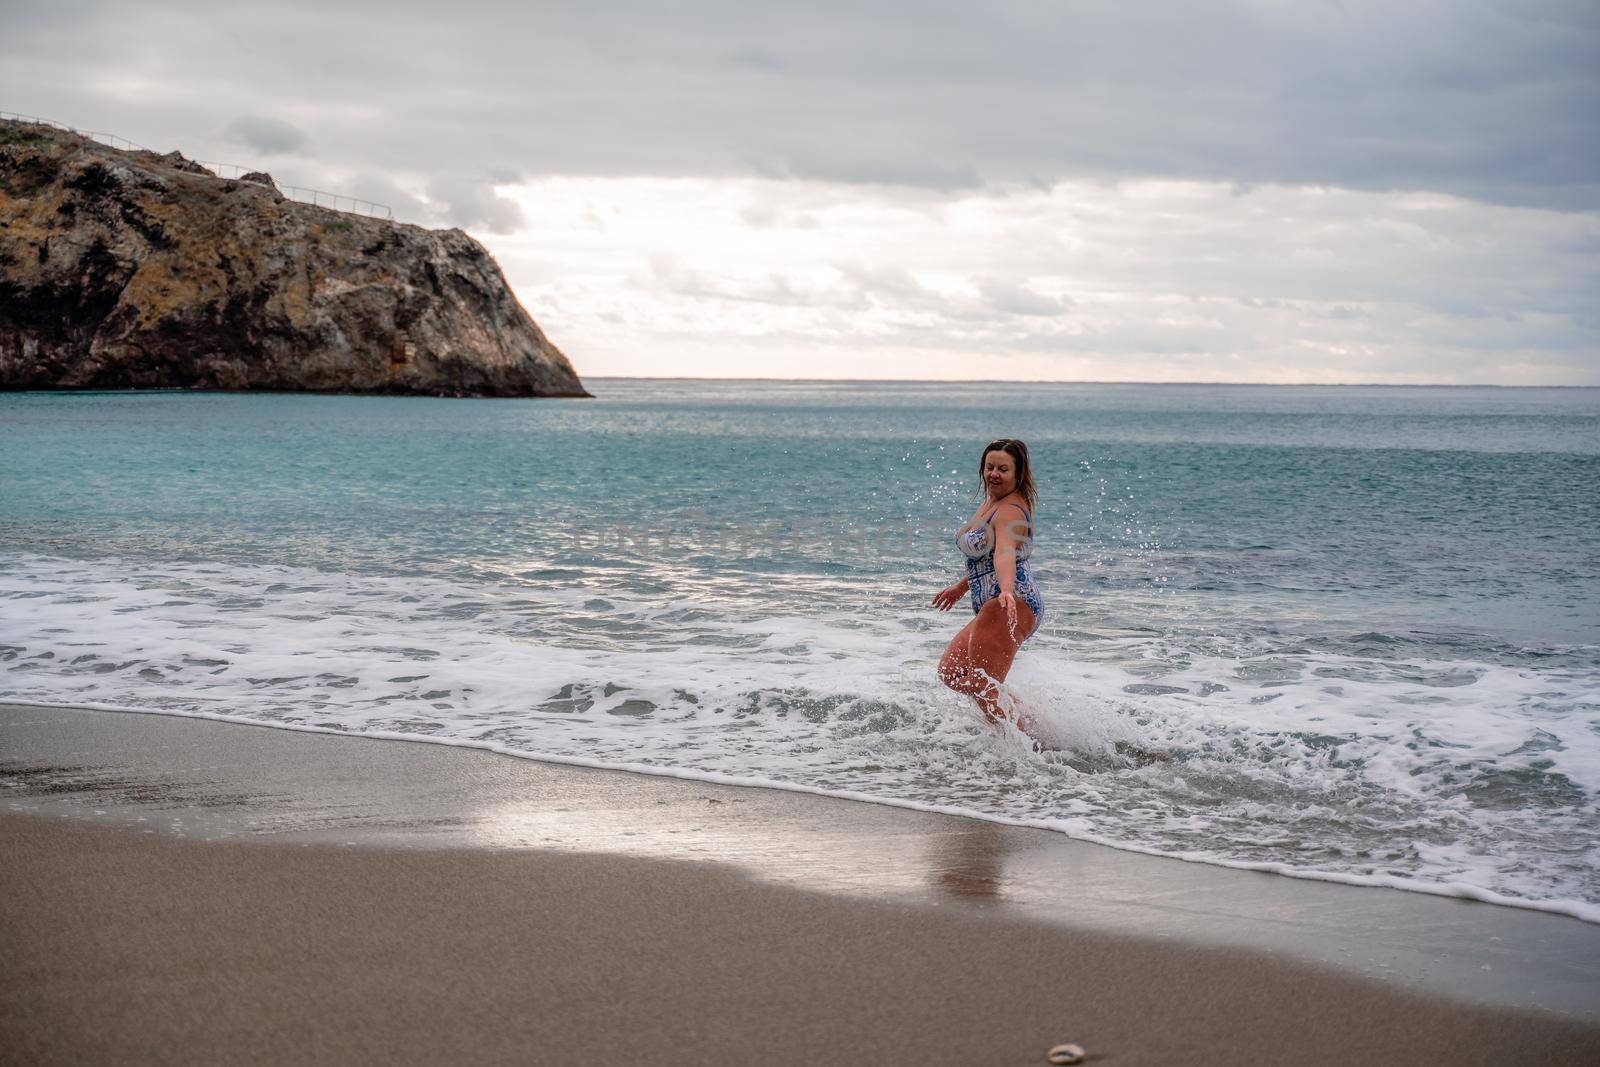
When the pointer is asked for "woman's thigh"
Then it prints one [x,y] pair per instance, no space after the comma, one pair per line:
[994,643]
[957,654]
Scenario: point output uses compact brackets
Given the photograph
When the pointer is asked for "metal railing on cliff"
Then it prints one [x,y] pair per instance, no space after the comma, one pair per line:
[225,171]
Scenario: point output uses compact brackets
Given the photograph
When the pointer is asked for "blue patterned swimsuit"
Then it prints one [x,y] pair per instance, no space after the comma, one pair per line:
[977,544]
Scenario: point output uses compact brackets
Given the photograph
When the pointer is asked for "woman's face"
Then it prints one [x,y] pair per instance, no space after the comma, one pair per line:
[999,472]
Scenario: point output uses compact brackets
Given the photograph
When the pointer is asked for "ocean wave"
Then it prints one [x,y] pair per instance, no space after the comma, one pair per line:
[1425,761]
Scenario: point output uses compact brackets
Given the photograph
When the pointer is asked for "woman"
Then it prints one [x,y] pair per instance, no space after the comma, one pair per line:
[1006,605]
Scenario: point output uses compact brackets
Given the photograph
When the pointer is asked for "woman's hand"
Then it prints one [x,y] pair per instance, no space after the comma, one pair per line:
[946,598]
[1008,600]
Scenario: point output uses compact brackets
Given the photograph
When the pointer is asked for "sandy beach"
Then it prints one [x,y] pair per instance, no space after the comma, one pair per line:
[182,891]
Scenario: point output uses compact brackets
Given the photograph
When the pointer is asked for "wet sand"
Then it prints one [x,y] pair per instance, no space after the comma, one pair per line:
[180,891]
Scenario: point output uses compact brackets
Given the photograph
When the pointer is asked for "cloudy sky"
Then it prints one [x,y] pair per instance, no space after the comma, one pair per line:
[1133,190]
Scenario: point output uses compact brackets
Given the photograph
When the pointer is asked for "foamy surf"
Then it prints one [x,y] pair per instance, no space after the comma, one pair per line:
[1318,757]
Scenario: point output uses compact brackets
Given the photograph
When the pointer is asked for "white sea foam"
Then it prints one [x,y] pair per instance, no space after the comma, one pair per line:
[1460,777]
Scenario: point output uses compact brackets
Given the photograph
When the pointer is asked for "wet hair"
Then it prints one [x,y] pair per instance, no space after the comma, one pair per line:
[1019,454]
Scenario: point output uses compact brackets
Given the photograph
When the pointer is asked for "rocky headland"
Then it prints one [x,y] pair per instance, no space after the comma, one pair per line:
[132,270]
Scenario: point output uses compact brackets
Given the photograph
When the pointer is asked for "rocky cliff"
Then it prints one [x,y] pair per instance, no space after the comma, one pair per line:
[132,270]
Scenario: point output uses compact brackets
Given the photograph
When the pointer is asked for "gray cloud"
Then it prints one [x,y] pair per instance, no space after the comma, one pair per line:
[470,202]
[755,56]
[1493,100]
[1016,298]
[885,283]
[268,136]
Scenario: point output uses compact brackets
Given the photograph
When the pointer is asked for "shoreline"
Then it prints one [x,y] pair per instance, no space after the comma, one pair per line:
[1576,910]
[227,783]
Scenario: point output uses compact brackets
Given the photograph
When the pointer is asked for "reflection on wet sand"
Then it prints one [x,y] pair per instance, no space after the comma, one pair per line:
[954,859]
[968,863]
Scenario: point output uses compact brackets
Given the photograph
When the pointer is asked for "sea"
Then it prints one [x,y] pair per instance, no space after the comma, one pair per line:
[1342,633]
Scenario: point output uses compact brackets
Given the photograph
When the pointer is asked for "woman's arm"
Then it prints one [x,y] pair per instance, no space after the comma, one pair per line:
[1008,528]
[945,598]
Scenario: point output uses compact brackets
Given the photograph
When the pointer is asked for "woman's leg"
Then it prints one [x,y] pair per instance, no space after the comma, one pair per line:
[991,648]
[955,666]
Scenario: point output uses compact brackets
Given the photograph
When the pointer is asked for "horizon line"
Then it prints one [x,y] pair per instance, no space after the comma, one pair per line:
[1071,381]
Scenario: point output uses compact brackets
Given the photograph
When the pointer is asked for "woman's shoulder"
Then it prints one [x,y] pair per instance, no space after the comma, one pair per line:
[1010,509]
[1013,514]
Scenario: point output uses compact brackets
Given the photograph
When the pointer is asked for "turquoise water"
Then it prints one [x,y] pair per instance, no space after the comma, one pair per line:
[1358,629]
